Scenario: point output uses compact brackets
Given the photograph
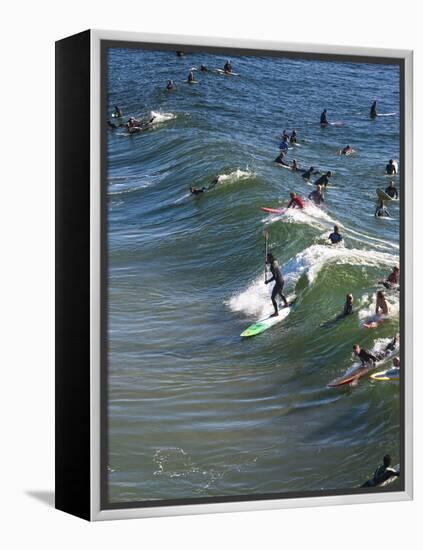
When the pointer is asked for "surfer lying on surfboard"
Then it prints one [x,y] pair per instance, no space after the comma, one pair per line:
[310,172]
[382,473]
[393,278]
[347,150]
[198,190]
[279,282]
[324,180]
[369,358]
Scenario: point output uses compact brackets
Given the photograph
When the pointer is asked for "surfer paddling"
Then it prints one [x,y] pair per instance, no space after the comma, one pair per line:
[367,358]
[324,179]
[279,282]
[382,473]
[199,190]
[310,172]
[392,280]
[381,210]
[296,201]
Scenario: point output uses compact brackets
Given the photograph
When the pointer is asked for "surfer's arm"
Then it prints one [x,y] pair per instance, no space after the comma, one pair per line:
[269,280]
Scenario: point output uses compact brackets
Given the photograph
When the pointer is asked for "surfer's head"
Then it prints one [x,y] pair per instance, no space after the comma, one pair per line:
[391,161]
[270,258]
[380,294]
[396,362]
[292,194]
[396,268]
[336,228]
[386,460]
[350,298]
[356,349]
[329,173]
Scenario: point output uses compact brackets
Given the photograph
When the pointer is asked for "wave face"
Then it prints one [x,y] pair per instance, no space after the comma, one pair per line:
[195,411]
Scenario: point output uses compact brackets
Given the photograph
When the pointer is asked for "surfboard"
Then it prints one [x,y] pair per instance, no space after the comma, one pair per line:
[386,114]
[226,73]
[273,210]
[283,166]
[351,376]
[267,322]
[192,81]
[384,196]
[336,123]
[386,375]
[374,321]
[388,481]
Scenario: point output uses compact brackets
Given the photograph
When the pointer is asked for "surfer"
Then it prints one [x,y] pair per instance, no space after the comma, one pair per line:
[348,306]
[366,357]
[324,179]
[347,150]
[198,190]
[373,112]
[293,137]
[391,168]
[393,278]
[117,112]
[227,67]
[180,54]
[279,282]
[324,118]
[280,159]
[310,172]
[203,68]
[170,85]
[391,190]
[382,473]
[283,146]
[295,167]
[382,305]
[317,195]
[381,210]
[296,201]
[335,237]
[190,77]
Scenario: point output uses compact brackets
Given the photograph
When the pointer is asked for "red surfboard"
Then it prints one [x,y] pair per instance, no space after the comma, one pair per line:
[272,210]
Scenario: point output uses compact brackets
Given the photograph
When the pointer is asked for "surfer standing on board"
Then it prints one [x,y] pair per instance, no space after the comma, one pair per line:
[227,67]
[279,282]
[382,305]
[373,112]
[324,118]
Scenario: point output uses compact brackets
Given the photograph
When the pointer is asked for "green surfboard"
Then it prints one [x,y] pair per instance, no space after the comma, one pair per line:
[263,324]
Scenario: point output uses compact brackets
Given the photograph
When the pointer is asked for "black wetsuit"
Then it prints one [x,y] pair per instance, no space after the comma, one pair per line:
[335,238]
[348,309]
[198,191]
[279,159]
[390,169]
[323,118]
[392,192]
[366,357]
[323,180]
[373,113]
[227,68]
[308,173]
[382,473]
[382,212]
[279,282]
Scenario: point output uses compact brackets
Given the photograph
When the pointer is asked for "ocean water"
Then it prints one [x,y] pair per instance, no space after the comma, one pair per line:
[194,410]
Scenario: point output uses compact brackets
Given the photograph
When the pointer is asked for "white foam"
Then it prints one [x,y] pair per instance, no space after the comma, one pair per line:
[368,314]
[161,117]
[235,176]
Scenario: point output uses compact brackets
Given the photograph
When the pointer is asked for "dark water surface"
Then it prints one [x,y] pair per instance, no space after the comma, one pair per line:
[194,410]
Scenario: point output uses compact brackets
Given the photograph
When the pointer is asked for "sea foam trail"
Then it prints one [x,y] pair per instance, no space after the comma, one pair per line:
[367,313]
[161,117]
[255,299]
[236,175]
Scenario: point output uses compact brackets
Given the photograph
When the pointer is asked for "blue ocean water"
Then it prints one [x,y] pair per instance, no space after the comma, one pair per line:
[194,410]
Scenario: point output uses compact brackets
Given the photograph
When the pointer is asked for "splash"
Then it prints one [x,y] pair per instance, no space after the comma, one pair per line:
[159,117]
[235,176]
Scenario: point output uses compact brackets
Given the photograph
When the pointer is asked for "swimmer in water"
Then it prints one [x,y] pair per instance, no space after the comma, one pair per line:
[335,237]
[324,118]
[381,210]
[347,150]
[391,168]
[391,190]
[296,201]
[279,282]
[382,305]
[317,195]
[373,112]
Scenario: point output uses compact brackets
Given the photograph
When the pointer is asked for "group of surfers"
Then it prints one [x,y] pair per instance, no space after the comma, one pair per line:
[227,68]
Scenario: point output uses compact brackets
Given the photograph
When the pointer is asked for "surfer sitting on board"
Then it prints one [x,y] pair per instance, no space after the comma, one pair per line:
[310,172]
[324,118]
[280,159]
[391,190]
[283,146]
[382,305]
[203,68]
[293,137]
[227,67]
[347,150]
[170,85]
[324,180]
[393,278]
[335,237]
[382,473]
[279,282]
[381,210]
[317,195]
[391,168]
[296,167]
[191,77]
[373,112]
[296,201]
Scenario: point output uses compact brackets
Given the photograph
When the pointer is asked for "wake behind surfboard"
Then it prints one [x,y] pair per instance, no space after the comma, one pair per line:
[267,322]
